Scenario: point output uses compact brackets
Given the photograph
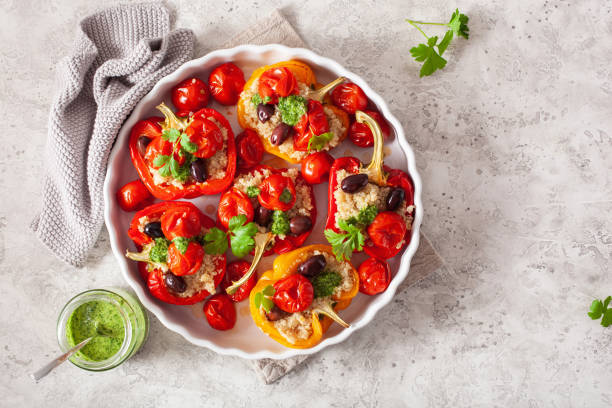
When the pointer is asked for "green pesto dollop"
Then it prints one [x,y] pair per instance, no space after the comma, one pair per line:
[93,319]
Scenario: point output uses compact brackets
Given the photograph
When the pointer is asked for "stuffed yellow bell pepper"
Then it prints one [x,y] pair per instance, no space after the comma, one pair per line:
[287,108]
[298,299]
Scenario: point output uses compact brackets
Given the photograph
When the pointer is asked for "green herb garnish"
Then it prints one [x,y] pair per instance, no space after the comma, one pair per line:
[318,142]
[599,309]
[325,282]
[253,191]
[241,235]
[280,223]
[365,217]
[426,53]
[256,99]
[159,252]
[292,108]
[215,241]
[181,243]
[285,196]
[343,244]
[262,299]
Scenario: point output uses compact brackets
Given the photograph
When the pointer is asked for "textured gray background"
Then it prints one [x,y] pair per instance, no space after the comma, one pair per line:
[513,144]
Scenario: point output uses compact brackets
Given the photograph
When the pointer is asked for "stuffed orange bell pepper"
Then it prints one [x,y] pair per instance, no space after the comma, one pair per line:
[286,107]
[298,299]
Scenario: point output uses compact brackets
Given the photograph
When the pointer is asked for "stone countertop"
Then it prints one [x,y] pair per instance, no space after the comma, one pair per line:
[513,142]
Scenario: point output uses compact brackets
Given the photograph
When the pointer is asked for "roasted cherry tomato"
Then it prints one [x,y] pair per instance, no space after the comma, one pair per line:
[293,293]
[277,82]
[374,276]
[361,135]
[134,196]
[236,270]
[206,136]
[316,167]
[387,230]
[250,149]
[226,83]
[313,123]
[220,312]
[349,97]
[187,263]
[181,222]
[277,192]
[234,202]
[157,147]
[189,96]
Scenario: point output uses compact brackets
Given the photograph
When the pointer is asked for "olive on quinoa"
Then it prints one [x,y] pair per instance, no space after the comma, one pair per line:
[265,112]
[197,169]
[280,134]
[263,216]
[312,266]
[395,198]
[153,229]
[354,183]
[300,224]
[175,283]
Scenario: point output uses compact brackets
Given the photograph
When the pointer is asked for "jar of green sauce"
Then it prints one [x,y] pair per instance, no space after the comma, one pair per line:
[114,318]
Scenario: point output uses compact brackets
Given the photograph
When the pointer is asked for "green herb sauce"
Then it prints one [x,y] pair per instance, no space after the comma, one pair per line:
[88,320]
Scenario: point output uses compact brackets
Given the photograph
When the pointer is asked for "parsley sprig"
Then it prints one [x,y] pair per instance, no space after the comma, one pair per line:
[343,244]
[167,164]
[240,233]
[600,309]
[426,52]
[263,299]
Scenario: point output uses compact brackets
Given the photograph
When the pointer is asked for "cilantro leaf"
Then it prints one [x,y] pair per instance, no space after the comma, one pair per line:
[159,252]
[343,244]
[280,223]
[160,160]
[597,309]
[318,142]
[600,309]
[325,282]
[179,172]
[171,135]
[262,299]
[215,242]
[187,144]
[292,108]
[253,191]
[448,37]
[268,290]
[458,24]
[427,53]
[241,235]
[181,243]
[285,196]
[607,318]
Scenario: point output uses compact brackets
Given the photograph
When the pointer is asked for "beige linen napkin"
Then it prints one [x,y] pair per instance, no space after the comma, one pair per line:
[276,30]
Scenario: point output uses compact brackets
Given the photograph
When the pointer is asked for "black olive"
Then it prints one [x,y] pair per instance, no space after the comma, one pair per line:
[280,134]
[395,198]
[197,169]
[276,314]
[263,215]
[154,230]
[354,183]
[143,142]
[175,283]
[265,112]
[312,266]
[300,224]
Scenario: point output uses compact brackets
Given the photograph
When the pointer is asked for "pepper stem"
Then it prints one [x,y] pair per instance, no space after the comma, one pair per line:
[144,256]
[171,120]
[320,93]
[327,310]
[261,240]
[375,171]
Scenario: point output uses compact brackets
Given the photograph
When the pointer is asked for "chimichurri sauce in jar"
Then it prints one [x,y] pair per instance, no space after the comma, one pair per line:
[102,321]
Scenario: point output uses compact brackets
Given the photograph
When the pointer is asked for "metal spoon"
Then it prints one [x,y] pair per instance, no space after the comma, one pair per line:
[47,368]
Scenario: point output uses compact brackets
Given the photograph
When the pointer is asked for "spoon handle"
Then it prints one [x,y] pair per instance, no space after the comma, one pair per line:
[43,371]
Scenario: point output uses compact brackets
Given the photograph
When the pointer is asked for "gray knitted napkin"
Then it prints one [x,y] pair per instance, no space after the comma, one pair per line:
[276,29]
[119,54]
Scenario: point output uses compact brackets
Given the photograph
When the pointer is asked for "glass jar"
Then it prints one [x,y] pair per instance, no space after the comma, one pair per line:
[133,316]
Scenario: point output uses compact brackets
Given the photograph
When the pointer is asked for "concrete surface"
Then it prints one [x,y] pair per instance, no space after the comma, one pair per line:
[513,142]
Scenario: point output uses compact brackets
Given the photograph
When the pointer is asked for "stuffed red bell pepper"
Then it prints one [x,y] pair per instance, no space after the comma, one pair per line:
[370,208]
[184,158]
[169,236]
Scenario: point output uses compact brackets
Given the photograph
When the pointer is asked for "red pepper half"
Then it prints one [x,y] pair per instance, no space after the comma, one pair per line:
[290,242]
[151,129]
[154,276]
[388,177]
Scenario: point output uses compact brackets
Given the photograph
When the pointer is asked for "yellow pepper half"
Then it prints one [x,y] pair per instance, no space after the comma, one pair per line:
[302,73]
[286,265]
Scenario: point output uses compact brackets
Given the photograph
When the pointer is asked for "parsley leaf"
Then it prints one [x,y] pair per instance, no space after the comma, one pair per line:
[426,52]
[285,196]
[187,144]
[256,99]
[600,309]
[343,244]
[318,142]
[292,108]
[262,299]
[280,223]
[171,135]
[241,235]
[253,191]
[159,252]
[215,241]
[160,160]
[325,282]
[181,243]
